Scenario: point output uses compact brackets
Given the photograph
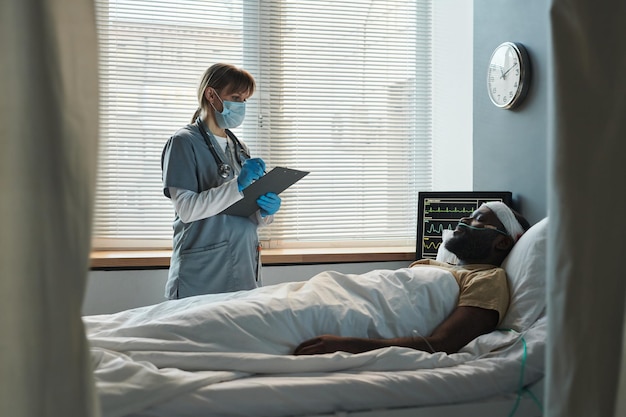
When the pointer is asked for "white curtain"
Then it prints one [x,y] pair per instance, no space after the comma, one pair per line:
[48,129]
[586,272]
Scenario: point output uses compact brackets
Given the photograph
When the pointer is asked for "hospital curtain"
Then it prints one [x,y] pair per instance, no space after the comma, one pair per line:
[586,281]
[344,91]
[48,132]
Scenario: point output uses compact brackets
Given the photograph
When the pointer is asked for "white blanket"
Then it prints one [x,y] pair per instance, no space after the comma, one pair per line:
[151,354]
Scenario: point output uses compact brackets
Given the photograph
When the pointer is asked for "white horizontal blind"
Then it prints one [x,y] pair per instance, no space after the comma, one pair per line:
[152,56]
[343,91]
[349,87]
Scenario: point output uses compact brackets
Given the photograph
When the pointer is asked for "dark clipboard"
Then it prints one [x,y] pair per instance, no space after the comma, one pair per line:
[275,181]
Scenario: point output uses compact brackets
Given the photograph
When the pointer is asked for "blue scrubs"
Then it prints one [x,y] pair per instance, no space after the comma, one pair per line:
[212,255]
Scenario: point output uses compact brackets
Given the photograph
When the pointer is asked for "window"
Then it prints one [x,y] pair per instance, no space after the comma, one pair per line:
[344,91]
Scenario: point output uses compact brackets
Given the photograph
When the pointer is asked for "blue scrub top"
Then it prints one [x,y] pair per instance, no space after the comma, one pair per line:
[213,255]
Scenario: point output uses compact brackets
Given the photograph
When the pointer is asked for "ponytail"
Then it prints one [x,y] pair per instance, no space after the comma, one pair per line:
[195,115]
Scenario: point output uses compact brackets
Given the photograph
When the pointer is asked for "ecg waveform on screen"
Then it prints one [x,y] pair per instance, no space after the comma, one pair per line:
[441,214]
[436,228]
[432,246]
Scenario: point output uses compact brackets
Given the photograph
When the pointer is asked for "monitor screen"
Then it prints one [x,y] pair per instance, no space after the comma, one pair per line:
[440,210]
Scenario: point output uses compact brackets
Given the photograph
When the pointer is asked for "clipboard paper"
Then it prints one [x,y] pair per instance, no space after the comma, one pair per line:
[276,181]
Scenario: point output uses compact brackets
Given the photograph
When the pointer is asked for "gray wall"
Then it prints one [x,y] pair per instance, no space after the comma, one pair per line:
[510,146]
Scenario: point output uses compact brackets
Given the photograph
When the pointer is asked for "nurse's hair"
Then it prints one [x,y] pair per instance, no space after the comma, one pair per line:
[223,78]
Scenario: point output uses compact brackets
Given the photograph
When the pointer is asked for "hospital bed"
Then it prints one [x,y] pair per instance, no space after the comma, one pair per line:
[164,361]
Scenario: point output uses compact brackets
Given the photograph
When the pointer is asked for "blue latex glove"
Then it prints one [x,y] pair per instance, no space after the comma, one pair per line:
[269,204]
[251,170]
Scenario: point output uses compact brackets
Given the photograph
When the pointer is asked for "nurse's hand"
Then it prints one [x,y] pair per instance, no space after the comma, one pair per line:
[269,204]
[251,170]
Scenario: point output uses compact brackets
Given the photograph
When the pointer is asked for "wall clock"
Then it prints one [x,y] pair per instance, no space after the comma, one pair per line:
[508,76]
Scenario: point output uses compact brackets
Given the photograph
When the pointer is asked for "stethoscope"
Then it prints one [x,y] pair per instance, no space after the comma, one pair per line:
[223,169]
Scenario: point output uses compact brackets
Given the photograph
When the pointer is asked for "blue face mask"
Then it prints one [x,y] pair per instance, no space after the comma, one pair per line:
[232,115]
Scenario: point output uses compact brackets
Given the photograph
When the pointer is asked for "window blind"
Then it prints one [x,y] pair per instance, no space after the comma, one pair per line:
[344,91]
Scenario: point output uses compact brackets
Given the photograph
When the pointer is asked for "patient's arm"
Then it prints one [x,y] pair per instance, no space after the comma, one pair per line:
[461,327]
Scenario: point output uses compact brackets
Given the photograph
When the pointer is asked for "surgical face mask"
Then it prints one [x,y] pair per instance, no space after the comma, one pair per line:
[232,115]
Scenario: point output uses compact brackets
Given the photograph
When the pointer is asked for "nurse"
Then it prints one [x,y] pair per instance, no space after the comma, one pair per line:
[205,168]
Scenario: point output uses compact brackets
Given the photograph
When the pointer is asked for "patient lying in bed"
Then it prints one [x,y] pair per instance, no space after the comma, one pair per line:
[480,242]
[148,354]
[430,306]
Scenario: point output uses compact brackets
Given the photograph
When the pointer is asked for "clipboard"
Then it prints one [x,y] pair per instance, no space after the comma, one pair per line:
[275,181]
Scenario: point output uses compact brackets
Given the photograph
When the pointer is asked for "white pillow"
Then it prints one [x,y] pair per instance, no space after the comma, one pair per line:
[443,254]
[526,271]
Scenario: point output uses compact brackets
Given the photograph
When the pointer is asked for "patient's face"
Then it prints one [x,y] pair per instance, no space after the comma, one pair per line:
[472,240]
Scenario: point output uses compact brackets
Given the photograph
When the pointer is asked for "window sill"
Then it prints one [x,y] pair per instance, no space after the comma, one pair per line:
[147,259]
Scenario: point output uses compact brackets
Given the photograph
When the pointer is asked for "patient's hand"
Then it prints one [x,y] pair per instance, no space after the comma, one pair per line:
[329,343]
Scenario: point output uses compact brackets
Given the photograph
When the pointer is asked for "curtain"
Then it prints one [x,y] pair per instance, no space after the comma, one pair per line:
[586,280]
[48,129]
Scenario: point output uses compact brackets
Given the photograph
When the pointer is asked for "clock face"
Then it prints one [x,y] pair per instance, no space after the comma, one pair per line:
[508,75]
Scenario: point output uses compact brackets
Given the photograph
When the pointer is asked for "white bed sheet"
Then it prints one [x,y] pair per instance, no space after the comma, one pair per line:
[176,358]
[495,375]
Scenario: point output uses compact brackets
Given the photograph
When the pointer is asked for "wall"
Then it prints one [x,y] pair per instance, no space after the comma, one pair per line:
[512,143]
[112,291]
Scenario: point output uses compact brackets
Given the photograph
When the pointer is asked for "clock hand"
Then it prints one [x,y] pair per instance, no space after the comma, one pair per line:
[507,71]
